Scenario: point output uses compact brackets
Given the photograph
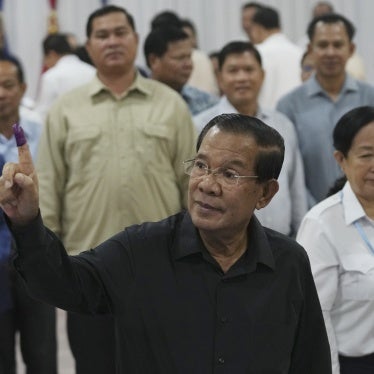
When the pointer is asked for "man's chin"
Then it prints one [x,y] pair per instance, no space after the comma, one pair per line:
[115,67]
[206,224]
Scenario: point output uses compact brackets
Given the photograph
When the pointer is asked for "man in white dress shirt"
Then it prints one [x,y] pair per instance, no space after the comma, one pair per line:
[65,71]
[281,58]
[247,13]
[240,78]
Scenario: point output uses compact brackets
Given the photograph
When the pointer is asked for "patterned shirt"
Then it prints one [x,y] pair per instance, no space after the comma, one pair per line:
[197,100]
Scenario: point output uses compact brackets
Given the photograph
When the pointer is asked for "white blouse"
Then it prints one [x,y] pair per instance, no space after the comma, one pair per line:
[339,239]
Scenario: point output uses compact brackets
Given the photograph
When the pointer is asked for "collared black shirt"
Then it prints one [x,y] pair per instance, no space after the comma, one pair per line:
[175,310]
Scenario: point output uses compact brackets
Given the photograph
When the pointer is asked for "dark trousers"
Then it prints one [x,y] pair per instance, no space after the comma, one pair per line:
[357,365]
[92,342]
[36,324]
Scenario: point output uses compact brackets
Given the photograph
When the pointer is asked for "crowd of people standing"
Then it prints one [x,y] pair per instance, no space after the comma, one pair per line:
[116,145]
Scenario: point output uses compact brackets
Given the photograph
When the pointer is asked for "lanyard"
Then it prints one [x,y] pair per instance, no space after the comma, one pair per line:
[361,231]
[364,236]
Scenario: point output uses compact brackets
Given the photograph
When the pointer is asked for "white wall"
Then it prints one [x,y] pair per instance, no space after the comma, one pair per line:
[217,21]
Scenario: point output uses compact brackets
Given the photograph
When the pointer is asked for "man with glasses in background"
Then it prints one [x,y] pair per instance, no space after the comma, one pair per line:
[205,290]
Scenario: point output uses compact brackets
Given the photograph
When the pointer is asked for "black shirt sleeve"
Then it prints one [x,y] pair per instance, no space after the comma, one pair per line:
[68,282]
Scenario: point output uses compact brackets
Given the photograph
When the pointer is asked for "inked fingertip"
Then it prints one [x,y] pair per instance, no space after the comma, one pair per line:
[19,135]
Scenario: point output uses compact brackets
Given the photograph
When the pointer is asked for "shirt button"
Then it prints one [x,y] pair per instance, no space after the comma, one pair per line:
[221,360]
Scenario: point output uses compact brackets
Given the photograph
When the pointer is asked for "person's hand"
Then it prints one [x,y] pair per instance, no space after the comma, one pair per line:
[19,189]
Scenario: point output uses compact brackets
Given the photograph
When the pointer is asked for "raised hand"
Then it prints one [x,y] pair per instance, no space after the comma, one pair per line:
[19,184]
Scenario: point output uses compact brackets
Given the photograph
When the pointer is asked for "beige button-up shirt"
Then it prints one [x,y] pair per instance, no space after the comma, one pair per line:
[107,162]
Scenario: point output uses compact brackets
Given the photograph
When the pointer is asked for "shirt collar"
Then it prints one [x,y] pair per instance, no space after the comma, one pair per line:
[352,208]
[226,107]
[140,84]
[314,88]
[262,114]
[258,251]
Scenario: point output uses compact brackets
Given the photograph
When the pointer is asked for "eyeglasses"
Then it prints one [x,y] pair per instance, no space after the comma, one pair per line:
[224,176]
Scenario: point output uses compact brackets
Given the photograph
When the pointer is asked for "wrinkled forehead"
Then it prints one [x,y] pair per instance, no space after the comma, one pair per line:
[218,142]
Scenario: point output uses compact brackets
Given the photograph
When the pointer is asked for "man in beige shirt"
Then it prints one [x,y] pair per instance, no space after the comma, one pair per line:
[111,156]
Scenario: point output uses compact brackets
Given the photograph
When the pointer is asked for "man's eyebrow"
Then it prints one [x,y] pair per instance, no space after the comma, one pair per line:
[9,80]
[238,163]
[201,155]
[116,28]
[365,147]
[228,163]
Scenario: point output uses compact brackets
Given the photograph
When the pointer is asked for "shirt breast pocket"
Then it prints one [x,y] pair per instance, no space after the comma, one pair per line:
[153,146]
[84,147]
[357,278]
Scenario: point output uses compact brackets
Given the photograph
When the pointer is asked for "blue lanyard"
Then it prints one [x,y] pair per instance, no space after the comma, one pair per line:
[361,231]
[363,236]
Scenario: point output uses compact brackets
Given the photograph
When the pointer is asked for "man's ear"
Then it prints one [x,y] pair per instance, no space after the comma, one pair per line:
[23,88]
[269,189]
[263,76]
[152,61]
[220,80]
[352,49]
[136,36]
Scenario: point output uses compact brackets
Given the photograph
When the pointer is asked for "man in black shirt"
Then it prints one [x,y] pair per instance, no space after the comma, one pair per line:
[204,291]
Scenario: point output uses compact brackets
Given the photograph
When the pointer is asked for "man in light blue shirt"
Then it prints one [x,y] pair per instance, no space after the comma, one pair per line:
[316,106]
[240,77]
[34,320]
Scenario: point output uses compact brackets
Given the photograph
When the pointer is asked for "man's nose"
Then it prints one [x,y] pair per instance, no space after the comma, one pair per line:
[209,183]
[241,75]
[330,50]
[112,39]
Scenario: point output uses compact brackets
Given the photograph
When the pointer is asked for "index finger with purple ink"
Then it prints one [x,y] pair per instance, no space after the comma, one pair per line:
[26,164]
